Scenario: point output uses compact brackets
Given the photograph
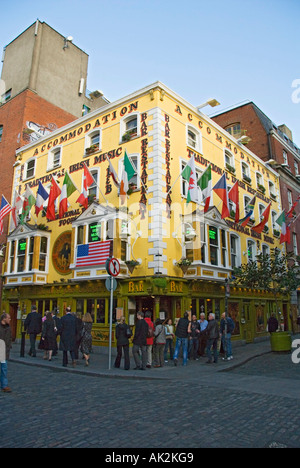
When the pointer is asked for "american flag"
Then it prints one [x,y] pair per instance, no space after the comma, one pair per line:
[5,209]
[95,253]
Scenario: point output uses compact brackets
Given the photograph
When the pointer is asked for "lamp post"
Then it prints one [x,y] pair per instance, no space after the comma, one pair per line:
[227,295]
[209,102]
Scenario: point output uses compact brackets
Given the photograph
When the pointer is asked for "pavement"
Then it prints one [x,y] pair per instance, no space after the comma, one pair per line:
[99,363]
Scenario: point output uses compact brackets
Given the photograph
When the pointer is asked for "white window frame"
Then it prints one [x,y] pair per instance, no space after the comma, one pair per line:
[51,154]
[136,178]
[88,140]
[26,169]
[238,250]
[228,154]
[248,171]
[198,138]
[125,120]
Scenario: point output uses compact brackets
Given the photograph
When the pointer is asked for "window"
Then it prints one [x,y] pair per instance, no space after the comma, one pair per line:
[30,169]
[1,132]
[265,250]
[129,127]
[295,245]
[92,142]
[134,182]
[296,166]
[194,138]
[185,183]
[213,244]
[43,253]
[54,158]
[246,172]
[93,189]
[12,256]
[224,248]
[290,198]
[85,110]
[6,96]
[229,161]
[272,190]
[234,250]
[22,244]
[80,235]
[251,250]
[30,253]
[285,157]
[94,232]
[234,130]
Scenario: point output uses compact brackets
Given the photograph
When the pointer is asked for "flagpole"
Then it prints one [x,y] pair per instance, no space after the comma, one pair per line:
[107,202]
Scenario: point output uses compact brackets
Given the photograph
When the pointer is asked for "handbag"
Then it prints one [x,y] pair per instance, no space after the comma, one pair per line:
[128,332]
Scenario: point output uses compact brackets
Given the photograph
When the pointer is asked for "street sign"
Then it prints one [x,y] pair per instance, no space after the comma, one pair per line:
[108,284]
[113,267]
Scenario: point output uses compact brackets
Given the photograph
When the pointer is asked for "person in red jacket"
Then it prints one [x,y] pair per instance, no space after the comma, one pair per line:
[150,338]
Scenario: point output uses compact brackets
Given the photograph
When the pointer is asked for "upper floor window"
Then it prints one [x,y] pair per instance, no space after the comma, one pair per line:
[194,138]
[93,142]
[246,172]
[229,161]
[296,165]
[129,127]
[285,157]
[6,96]
[30,169]
[1,132]
[234,130]
[93,189]
[54,158]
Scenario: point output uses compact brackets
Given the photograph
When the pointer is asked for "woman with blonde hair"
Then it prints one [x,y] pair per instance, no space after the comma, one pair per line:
[87,341]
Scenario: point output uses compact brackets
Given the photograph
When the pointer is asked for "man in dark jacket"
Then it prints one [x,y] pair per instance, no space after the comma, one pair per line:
[212,331]
[33,327]
[5,345]
[183,330]
[123,333]
[140,342]
[68,332]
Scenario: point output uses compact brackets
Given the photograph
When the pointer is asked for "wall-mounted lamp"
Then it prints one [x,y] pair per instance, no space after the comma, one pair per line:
[244,140]
[210,102]
[66,42]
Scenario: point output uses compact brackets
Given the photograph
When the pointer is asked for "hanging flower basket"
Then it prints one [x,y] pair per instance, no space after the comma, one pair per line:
[131,264]
[184,264]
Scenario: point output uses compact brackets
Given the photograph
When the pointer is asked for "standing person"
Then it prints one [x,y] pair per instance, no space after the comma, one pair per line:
[68,332]
[33,327]
[160,343]
[49,334]
[273,324]
[226,338]
[140,342]
[123,333]
[202,337]
[86,337]
[150,338]
[212,331]
[182,337]
[79,326]
[194,338]
[5,346]
[169,340]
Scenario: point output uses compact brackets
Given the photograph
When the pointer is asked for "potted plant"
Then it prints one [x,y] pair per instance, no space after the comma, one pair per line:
[184,264]
[230,168]
[261,188]
[92,149]
[131,264]
[246,179]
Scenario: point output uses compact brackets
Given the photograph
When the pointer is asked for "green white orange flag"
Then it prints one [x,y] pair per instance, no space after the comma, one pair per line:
[205,184]
[285,229]
[189,174]
[29,201]
[67,189]
[127,174]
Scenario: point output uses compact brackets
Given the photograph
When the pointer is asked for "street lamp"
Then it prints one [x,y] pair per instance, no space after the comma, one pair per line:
[209,102]
[227,295]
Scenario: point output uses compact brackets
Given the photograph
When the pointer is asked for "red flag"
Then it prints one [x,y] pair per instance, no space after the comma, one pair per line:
[88,180]
[292,209]
[54,194]
[233,195]
[260,227]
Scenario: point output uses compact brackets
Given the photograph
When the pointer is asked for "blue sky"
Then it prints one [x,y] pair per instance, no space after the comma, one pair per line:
[231,50]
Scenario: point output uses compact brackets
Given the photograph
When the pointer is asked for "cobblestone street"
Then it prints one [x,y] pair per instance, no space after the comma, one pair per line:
[255,405]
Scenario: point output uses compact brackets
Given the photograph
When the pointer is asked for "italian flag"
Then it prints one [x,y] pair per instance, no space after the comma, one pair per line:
[189,174]
[29,201]
[285,229]
[127,174]
[67,189]
[205,184]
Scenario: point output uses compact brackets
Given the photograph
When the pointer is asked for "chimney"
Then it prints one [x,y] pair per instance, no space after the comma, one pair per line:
[283,128]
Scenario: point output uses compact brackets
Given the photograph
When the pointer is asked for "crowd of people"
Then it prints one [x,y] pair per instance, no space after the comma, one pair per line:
[154,344]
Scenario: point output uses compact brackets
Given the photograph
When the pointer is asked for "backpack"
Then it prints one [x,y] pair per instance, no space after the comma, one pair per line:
[150,332]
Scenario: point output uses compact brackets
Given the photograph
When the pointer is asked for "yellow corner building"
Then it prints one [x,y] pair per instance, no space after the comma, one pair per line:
[173,257]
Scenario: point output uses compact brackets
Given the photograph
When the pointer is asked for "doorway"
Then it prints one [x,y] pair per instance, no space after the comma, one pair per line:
[13,312]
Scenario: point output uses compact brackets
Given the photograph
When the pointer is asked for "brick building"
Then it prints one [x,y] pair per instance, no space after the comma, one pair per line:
[42,88]
[274,145]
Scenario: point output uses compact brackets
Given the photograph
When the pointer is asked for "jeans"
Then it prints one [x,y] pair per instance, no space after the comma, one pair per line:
[193,348]
[184,343]
[226,341]
[141,364]
[169,346]
[4,381]
[214,344]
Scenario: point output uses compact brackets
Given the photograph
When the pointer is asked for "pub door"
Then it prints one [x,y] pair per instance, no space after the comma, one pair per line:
[13,312]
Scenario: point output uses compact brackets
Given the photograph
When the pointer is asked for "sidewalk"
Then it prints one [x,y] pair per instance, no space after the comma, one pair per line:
[99,364]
